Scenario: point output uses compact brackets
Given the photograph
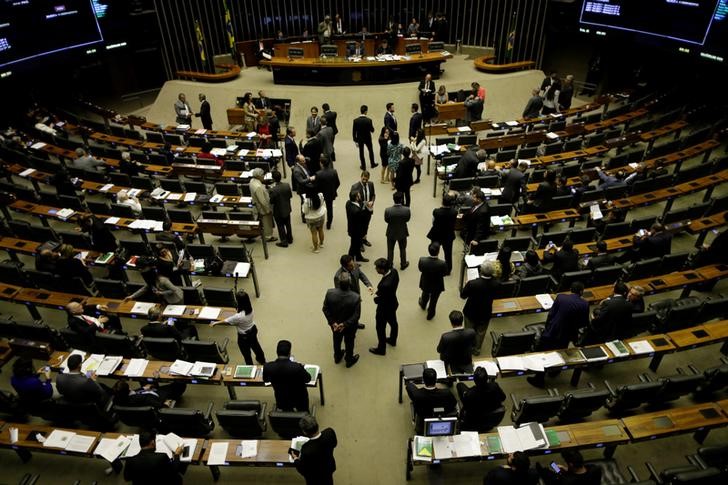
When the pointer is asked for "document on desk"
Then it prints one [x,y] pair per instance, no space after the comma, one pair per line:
[218,454]
[491,368]
[545,300]
[136,367]
[471,274]
[209,313]
[248,448]
[80,443]
[111,449]
[511,362]
[92,363]
[106,188]
[313,371]
[528,437]
[190,196]
[58,439]
[473,261]
[241,270]
[181,367]
[467,443]
[142,307]
[641,347]
[112,220]
[134,447]
[64,365]
[215,199]
[438,366]
[533,362]
[422,448]
[173,310]
[202,369]
[26,172]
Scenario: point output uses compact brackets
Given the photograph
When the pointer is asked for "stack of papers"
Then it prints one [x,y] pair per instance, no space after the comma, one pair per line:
[148,225]
[159,193]
[109,365]
[641,347]
[529,436]
[241,270]
[203,369]
[617,348]
[190,196]
[313,371]
[142,307]
[439,149]
[181,367]
[209,313]
[168,444]
[26,172]
[473,261]
[216,198]
[248,448]
[136,367]
[490,367]
[243,152]
[174,310]
[219,152]
[245,371]
[467,443]
[552,136]
[422,448]
[511,362]
[595,212]
[464,128]
[64,214]
[112,220]
[545,301]
[80,443]
[58,439]
[111,449]
[438,366]
[471,274]
[501,220]
[92,363]
[537,362]
[512,123]
[38,145]
[106,188]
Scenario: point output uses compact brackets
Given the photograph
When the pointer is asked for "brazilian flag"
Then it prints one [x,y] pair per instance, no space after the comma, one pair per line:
[200,42]
[229,29]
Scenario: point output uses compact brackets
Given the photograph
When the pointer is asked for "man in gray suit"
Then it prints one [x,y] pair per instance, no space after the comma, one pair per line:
[348,265]
[432,279]
[85,161]
[396,218]
[326,138]
[77,388]
[313,122]
[261,199]
[182,110]
[280,199]
[342,308]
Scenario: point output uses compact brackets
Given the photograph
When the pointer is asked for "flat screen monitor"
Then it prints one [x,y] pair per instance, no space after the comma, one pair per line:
[436,46]
[295,52]
[413,48]
[440,426]
[329,50]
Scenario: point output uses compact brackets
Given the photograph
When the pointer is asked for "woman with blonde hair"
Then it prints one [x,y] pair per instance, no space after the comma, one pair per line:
[314,212]
[418,145]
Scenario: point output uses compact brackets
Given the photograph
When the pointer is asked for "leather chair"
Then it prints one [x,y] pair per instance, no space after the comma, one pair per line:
[144,417]
[187,422]
[511,343]
[243,419]
[116,344]
[286,423]
[163,348]
[579,404]
[631,396]
[206,351]
[538,408]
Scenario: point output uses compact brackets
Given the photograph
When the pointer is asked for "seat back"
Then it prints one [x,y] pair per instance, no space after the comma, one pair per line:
[192,295]
[154,213]
[172,185]
[714,308]
[511,343]
[91,414]
[677,386]
[220,297]
[505,290]
[616,229]
[643,322]
[115,344]
[242,419]
[606,275]
[162,348]
[177,215]
[681,316]
[111,288]
[674,262]
[569,277]
[707,476]
[122,210]
[517,243]
[205,351]
[76,340]
[286,423]
[536,409]
[580,404]
[185,422]
[556,237]
[201,251]
[461,185]
[485,246]
[227,189]
[11,274]
[632,396]
[138,416]
[482,422]
[645,268]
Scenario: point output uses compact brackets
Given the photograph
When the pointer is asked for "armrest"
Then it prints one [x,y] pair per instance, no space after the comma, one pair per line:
[554,283]
[261,418]
[515,402]
[553,392]
[224,345]
[694,369]
[645,378]
[724,360]
[697,461]
[632,474]
[208,412]
[653,472]
[609,387]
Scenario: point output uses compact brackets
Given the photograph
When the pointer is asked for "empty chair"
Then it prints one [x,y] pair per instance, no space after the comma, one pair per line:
[172,185]
[111,288]
[517,243]
[716,456]
[616,229]
[606,275]
[120,179]
[123,210]
[116,344]
[467,140]
[76,239]
[22,230]
[98,207]
[506,289]
[505,155]
[220,297]
[154,213]
[487,182]
[11,274]
[135,248]
[534,285]
[154,137]
[716,380]
[460,185]
[158,159]
[142,182]
[445,140]
[200,188]
[96,416]
[643,322]
[196,141]
[553,149]
[75,340]
[286,423]
[47,198]
[561,202]
[163,348]
[192,296]
[173,139]
[512,343]
[242,215]
[628,397]
[233,253]
[243,419]
[535,409]
[645,268]
[713,308]
[69,202]
[579,404]
[144,417]
[187,422]
[201,251]
[572,145]
[674,262]
[527,153]
[181,216]
[500,209]
[227,189]
[680,315]
[485,246]
[569,277]
[206,351]
[676,386]
[580,236]
[75,286]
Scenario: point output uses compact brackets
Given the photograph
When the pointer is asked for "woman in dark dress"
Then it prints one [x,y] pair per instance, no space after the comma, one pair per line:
[383,155]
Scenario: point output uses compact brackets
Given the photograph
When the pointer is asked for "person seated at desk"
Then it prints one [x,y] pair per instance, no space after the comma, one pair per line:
[288,378]
[47,260]
[160,329]
[429,397]
[167,267]
[612,318]
[490,169]
[32,386]
[516,471]
[601,258]
[150,467]
[161,288]
[531,265]
[442,97]
[205,154]
[78,388]
[564,259]
[148,395]
[68,266]
[478,401]
[384,48]
[354,49]
[456,346]
[87,325]
[62,181]
[541,199]
[636,296]
[413,28]
[607,180]
[503,268]
[130,167]
[263,130]
[575,472]
[86,161]
[316,460]
[714,253]
[123,198]
[656,243]
[102,239]
[467,166]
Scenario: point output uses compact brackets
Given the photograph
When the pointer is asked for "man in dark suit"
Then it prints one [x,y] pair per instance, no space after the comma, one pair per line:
[303,179]
[355,223]
[476,220]
[478,294]
[443,227]
[568,314]
[262,101]
[326,137]
[602,258]
[316,461]
[396,218]
[312,148]
[102,238]
[148,395]
[348,265]
[361,133]
[330,118]
[77,388]
[158,329]
[565,259]
[313,122]
[150,467]
[425,399]
[467,166]
[342,308]
[415,122]
[390,121]
[291,146]
[280,199]
[656,243]
[552,78]
[480,400]
[427,90]
[513,182]
[204,113]
[87,326]
[612,318]
[288,378]
[327,182]
[387,304]
[432,279]
[367,196]
[456,346]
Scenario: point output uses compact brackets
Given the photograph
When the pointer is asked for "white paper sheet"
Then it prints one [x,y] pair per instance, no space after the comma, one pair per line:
[112,220]
[181,367]
[80,443]
[490,366]
[641,347]
[202,369]
[545,301]
[110,449]
[58,439]
[471,274]
[109,365]
[136,367]
[218,453]
[209,313]
[511,362]
[134,447]
[26,172]
[173,310]
[248,448]
[438,366]
[190,196]
[142,307]
[241,270]
[92,363]
[106,188]
[473,261]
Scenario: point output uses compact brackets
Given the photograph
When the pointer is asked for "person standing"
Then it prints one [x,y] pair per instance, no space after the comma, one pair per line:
[415,120]
[513,182]
[182,110]
[303,179]
[327,182]
[534,105]
[443,227]
[355,225]
[342,308]
[367,196]
[384,136]
[311,148]
[478,294]
[291,146]
[456,346]
[316,461]
[313,122]
[396,218]
[567,93]
[387,304]
[432,279]
[314,212]
[403,180]
[204,113]
[420,150]
[427,91]
[324,30]
[361,133]
[325,136]
[250,114]
[348,265]
[244,321]
[261,199]
[280,199]
[330,117]
[477,219]
[390,121]
[612,318]
[288,379]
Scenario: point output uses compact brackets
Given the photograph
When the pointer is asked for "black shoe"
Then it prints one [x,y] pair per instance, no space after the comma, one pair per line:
[416,181]
[536,382]
[353,361]
[282,244]
[430,316]
[290,241]
[337,358]
[404,265]
[392,342]
[375,165]
[361,326]
[366,243]
[362,260]
[328,226]
[422,305]
[376,351]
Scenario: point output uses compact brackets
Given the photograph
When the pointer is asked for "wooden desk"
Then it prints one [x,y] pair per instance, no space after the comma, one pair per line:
[270,453]
[450,111]
[25,445]
[248,229]
[339,71]
[702,226]
[231,382]
[700,418]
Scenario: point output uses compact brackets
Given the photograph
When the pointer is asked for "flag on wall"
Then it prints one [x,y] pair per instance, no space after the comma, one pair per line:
[511,39]
[200,41]
[229,29]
